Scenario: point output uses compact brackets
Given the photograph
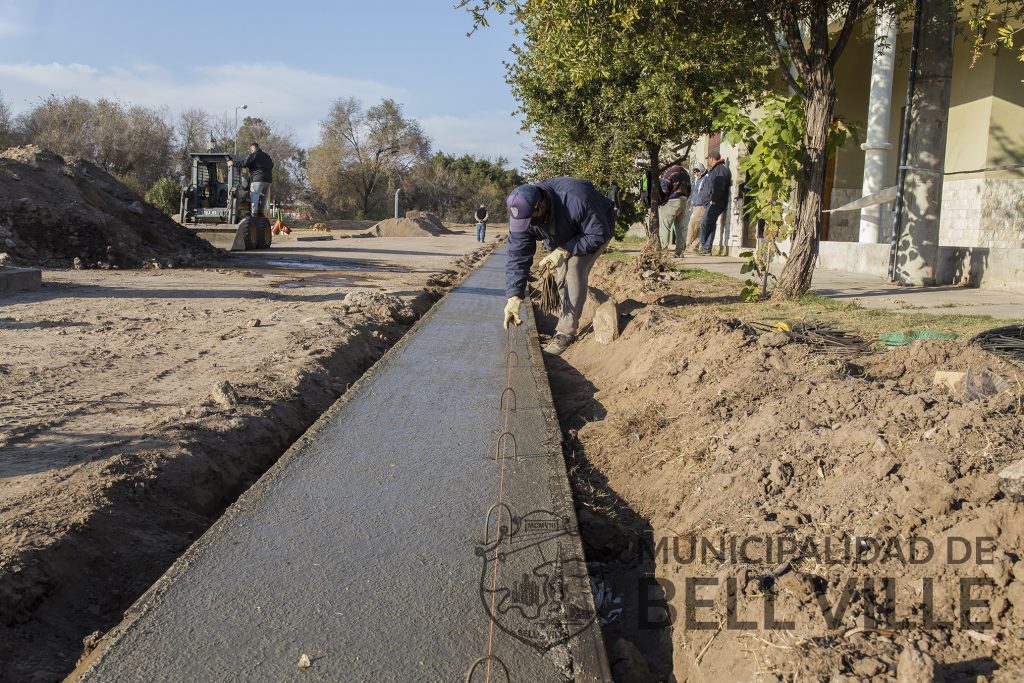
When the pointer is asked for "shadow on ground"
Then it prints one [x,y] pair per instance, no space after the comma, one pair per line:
[631,605]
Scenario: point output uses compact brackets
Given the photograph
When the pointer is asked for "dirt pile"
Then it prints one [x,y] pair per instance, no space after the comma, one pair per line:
[415,224]
[808,517]
[54,211]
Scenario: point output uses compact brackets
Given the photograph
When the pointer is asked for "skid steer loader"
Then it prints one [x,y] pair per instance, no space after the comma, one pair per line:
[215,205]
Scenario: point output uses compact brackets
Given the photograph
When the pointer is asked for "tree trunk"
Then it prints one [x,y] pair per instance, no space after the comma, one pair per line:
[921,209]
[651,256]
[795,279]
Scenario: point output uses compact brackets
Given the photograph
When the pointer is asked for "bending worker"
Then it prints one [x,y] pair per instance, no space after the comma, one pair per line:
[575,222]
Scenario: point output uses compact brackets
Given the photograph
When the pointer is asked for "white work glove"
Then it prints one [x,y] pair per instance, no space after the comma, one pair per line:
[555,259]
[512,311]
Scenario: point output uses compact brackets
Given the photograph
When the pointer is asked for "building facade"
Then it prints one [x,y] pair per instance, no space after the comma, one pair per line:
[981,240]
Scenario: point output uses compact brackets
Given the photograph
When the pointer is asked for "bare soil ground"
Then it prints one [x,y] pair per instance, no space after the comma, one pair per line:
[136,405]
[696,432]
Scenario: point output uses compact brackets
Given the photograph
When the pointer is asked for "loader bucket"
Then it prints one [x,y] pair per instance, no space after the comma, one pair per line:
[248,234]
[229,237]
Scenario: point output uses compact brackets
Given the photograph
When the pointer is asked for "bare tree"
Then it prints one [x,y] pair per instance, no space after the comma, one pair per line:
[132,142]
[192,135]
[6,124]
[359,148]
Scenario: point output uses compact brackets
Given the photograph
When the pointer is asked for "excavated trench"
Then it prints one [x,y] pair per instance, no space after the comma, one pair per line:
[631,605]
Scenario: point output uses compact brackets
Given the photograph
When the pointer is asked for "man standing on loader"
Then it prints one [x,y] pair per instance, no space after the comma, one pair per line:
[261,174]
[575,222]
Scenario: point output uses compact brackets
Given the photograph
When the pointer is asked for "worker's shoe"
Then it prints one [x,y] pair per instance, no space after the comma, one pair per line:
[559,343]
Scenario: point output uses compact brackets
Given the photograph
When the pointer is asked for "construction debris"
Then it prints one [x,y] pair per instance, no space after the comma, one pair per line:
[1011,482]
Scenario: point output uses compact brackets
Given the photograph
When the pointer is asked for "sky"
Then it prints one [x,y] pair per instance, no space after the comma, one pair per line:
[286,60]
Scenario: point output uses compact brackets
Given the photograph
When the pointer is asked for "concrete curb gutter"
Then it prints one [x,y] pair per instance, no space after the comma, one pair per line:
[13,280]
[360,548]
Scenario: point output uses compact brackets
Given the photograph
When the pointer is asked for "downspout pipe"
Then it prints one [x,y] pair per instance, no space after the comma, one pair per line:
[901,172]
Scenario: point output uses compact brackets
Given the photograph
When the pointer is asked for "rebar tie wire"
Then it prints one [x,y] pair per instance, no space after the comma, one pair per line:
[500,456]
[487,525]
[488,658]
[498,451]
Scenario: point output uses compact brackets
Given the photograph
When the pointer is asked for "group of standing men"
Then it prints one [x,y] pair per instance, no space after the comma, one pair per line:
[707,196]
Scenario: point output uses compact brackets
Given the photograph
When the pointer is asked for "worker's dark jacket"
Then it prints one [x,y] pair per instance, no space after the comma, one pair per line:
[481,215]
[260,165]
[675,183]
[717,182]
[580,221]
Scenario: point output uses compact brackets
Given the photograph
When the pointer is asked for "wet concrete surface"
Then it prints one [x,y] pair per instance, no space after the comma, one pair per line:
[366,547]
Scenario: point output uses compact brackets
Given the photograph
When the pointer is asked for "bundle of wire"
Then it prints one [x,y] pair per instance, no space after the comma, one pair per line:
[819,336]
[1007,342]
[550,298]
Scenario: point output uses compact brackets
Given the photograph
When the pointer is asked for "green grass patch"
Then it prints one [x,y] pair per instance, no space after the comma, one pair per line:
[707,276]
[630,241]
[869,323]
[621,256]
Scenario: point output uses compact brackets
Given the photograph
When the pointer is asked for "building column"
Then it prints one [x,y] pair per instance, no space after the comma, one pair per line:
[877,143]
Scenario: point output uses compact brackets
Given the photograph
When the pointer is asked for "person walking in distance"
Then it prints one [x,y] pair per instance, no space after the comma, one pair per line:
[718,181]
[675,188]
[481,223]
[575,222]
[261,174]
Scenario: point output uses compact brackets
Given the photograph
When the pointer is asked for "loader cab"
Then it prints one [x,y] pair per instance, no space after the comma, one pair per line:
[215,205]
[214,190]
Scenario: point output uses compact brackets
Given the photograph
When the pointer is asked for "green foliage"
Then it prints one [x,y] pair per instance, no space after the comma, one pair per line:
[453,187]
[131,182]
[759,265]
[599,86]
[995,25]
[774,151]
[165,195]
[774,145]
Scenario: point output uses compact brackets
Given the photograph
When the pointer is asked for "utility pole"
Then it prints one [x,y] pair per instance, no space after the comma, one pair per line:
[924,168]
[241,106]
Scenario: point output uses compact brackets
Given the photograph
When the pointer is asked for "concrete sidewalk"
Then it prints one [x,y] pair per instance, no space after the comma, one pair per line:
[874,292]
[368,548]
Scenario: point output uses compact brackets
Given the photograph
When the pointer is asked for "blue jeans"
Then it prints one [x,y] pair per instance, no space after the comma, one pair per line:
[481,228]
[708,225]
[258,196]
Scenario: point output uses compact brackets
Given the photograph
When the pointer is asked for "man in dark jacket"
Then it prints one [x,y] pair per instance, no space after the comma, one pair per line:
[575,222]
[261,174]
[481,223]
[717,184]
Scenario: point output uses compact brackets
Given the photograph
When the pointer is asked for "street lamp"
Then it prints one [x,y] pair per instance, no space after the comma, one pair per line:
[241,106]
